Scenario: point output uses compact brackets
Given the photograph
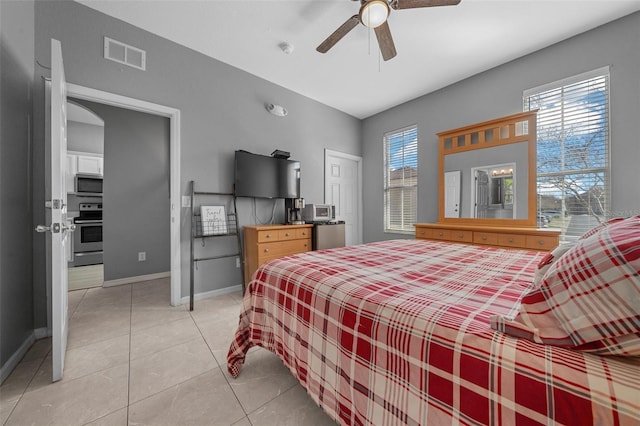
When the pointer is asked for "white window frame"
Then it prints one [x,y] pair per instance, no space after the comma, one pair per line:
[571,232]
[408,186]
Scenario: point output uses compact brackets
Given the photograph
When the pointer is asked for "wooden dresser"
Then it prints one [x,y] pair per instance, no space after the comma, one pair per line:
[499,236]
[263,243]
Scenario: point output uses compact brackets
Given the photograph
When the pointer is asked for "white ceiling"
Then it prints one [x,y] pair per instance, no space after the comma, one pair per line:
[436,46]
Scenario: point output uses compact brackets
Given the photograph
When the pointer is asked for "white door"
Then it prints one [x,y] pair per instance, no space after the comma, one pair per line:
[481,194]
[58,235]
[452,194]
[343,188]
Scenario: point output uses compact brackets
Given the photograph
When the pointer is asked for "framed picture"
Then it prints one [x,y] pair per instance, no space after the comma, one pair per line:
[214,220]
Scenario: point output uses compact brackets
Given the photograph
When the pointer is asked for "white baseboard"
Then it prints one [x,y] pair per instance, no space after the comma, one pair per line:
[42,332]
[130,280]
[13,361]
[212,293]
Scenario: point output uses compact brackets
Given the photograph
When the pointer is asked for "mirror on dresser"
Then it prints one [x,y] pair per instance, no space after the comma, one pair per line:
[487,172]
[500,211]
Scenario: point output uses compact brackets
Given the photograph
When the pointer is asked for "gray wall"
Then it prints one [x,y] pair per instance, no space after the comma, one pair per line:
[85,137]
[498,92]
[16,75]
[222,109]
[136,191]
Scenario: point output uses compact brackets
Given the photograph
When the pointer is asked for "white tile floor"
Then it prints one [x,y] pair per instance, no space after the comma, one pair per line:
[133,359]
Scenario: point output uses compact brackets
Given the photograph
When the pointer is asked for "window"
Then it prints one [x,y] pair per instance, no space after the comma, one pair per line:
[400,180]
[573,152]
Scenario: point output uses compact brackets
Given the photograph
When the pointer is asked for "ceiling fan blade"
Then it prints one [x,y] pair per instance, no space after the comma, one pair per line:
[385,41]
[413,4]
[335,37]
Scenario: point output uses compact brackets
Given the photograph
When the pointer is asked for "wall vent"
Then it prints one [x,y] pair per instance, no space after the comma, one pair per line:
[125,54]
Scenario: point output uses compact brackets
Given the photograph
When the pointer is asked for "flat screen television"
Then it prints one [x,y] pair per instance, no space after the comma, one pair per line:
[261,176]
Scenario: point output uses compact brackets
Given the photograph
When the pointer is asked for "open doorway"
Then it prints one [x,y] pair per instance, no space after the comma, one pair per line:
[100,97]
[84,175]
[135,212]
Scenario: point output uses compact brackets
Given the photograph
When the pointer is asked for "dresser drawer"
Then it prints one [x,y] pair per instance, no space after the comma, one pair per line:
[424,233]
[511,240]
[303,233]
[485,238]
[441,234]
[286,234]
[461,236]
[266,236]
[282,248]
[539,242]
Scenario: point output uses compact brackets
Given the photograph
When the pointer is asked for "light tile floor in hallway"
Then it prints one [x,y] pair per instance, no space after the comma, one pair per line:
[132,359]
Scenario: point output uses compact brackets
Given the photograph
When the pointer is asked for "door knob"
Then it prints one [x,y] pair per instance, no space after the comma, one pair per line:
[55,228]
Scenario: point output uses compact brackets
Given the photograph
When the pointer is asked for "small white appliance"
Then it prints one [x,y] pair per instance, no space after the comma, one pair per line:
[318,213]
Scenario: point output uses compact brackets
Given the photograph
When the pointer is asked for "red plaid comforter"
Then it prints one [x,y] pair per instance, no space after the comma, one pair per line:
[398,332]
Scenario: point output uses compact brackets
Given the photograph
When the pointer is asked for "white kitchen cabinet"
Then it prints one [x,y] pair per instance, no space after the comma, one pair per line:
[90,164]
[82,163]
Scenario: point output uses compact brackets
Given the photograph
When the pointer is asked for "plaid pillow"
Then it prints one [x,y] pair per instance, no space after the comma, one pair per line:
[548,260]
[590,298]
[600,227]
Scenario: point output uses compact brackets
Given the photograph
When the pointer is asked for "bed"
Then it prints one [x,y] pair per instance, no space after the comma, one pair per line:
[421,332]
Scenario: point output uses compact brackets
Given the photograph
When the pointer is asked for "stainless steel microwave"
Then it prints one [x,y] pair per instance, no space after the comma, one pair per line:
[319,213]
[88,184]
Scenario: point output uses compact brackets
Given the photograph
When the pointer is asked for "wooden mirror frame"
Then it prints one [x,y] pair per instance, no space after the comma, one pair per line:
[505,130]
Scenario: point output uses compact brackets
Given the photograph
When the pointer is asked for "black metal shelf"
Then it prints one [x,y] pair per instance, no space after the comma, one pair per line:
[217,228]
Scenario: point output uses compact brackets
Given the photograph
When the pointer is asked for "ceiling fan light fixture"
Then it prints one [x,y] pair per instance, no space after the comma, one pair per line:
[374,13]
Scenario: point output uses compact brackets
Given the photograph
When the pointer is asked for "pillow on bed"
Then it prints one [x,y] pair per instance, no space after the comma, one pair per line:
[590,298]
[599,227]
[548,260]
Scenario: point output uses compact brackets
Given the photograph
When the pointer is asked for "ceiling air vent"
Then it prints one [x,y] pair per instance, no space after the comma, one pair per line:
[124,54]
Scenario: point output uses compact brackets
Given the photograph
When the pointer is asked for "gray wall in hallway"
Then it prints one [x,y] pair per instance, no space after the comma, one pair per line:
[16,233]
[85,137]
[136,191]
[222,109]
[498,92]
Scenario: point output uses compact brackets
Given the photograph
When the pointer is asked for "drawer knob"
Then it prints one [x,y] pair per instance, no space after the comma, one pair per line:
[304,233]
[541,242]
[268,236]
[460,235]
[286,235]
[484,238]
[510,240]
[440,234]
[266,250]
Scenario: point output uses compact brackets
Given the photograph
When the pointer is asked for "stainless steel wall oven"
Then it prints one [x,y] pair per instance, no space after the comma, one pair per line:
[87,238]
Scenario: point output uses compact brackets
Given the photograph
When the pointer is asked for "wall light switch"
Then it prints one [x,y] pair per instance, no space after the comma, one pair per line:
[186,201]
[142,256]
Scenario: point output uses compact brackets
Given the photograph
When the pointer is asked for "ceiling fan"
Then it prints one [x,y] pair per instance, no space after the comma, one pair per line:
[374,14]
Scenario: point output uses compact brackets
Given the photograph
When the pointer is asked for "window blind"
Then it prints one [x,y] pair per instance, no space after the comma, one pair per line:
[400,180]
[573,191]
